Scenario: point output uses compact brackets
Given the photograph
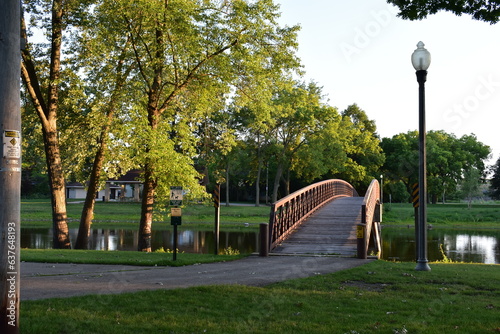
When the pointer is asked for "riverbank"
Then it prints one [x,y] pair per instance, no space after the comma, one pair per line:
[450,215]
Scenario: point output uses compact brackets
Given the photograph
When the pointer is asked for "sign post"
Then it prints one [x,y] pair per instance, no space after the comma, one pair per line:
[10,164]
[217,218]
[176,196]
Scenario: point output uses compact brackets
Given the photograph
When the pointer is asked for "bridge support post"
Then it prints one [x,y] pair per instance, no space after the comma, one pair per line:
[264,239]
[361,236]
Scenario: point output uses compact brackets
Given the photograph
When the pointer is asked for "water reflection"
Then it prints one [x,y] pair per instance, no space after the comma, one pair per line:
[466,246]
[462,246]
[398,243]
[117,239]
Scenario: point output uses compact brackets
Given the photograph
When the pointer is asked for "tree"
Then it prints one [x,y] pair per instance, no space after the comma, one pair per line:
[470,185]
[44,91]
[105,85]
[401,164]
[298,113]
[448,158]
[183,50]
[362,145]
[323,153]
[482,10]
[495,181]
[255,125]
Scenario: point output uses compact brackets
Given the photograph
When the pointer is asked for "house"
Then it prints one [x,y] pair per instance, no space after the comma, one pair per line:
[124,188]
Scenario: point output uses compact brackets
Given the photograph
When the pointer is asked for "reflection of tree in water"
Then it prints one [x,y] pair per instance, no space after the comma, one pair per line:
[460,246]
[189,241]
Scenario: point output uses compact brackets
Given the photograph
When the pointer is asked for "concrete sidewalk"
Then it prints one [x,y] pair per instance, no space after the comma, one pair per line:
[50,280]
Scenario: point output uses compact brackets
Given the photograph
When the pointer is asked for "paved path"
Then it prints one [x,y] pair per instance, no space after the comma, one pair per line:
[49,280]
[330,230]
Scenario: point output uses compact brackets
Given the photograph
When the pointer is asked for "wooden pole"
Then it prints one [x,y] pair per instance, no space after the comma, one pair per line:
[10,163]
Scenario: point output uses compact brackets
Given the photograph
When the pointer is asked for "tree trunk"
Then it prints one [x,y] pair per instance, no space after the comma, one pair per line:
[57,187]
[82,241]
[257,182]
[434,198]
[147,210]
[47,112]
[287,183]
[277,178]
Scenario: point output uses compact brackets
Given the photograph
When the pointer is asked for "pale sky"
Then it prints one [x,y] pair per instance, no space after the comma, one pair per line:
[360,52]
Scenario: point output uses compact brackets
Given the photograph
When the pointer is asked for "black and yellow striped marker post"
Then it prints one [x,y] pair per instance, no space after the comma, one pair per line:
[416,202]
[414,195]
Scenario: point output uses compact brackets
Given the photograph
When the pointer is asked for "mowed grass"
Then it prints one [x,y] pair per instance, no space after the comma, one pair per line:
[121,257]
[446,215]
[379,297]
[37,213]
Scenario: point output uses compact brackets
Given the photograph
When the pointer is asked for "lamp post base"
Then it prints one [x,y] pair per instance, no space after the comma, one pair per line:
[422,266]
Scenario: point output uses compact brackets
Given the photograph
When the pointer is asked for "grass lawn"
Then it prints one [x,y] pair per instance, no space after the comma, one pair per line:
[37,213]
[121,257]
[380,297]
[446,215]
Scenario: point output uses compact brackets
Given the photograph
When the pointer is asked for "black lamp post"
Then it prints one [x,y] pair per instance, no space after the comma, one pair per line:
[421,59]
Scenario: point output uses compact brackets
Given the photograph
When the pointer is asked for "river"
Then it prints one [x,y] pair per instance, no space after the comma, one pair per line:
[479,246]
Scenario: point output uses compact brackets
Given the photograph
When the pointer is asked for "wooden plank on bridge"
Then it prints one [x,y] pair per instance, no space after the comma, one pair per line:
[329,231]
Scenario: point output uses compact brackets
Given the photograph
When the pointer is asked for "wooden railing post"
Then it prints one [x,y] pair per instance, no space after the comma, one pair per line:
[362,235]
[264,239]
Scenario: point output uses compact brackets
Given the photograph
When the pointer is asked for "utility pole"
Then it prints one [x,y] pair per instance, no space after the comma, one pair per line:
[10,164]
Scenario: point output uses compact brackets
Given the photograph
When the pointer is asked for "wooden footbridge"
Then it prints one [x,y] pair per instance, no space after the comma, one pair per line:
[325,218]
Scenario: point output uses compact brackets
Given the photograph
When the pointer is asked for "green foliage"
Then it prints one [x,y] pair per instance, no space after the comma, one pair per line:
[167,251]
[449,215]
[445,259]
[495,181]
[230,251]
[448,158]
[488,11]
[470,185]
[362,145]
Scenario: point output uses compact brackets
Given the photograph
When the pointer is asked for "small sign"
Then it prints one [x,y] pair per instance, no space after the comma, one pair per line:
[176,195]
[175,220]
[12,144]
[360,232]
[175,212]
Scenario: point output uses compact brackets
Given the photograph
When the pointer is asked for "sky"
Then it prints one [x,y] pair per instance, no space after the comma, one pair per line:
[359,51]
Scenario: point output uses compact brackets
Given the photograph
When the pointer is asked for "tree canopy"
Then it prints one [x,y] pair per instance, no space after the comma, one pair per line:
[495,180]
[448,160]
[482,10]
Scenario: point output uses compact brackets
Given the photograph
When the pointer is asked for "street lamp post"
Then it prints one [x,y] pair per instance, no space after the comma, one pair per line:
[421,59]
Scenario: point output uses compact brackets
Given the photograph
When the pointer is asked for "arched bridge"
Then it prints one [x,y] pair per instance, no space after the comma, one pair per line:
[325,218]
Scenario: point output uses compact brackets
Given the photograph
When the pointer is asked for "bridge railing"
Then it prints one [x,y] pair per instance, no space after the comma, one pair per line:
[371,217]
[292,210]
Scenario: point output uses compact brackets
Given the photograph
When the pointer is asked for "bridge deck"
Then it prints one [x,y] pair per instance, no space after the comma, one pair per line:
[329,231]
